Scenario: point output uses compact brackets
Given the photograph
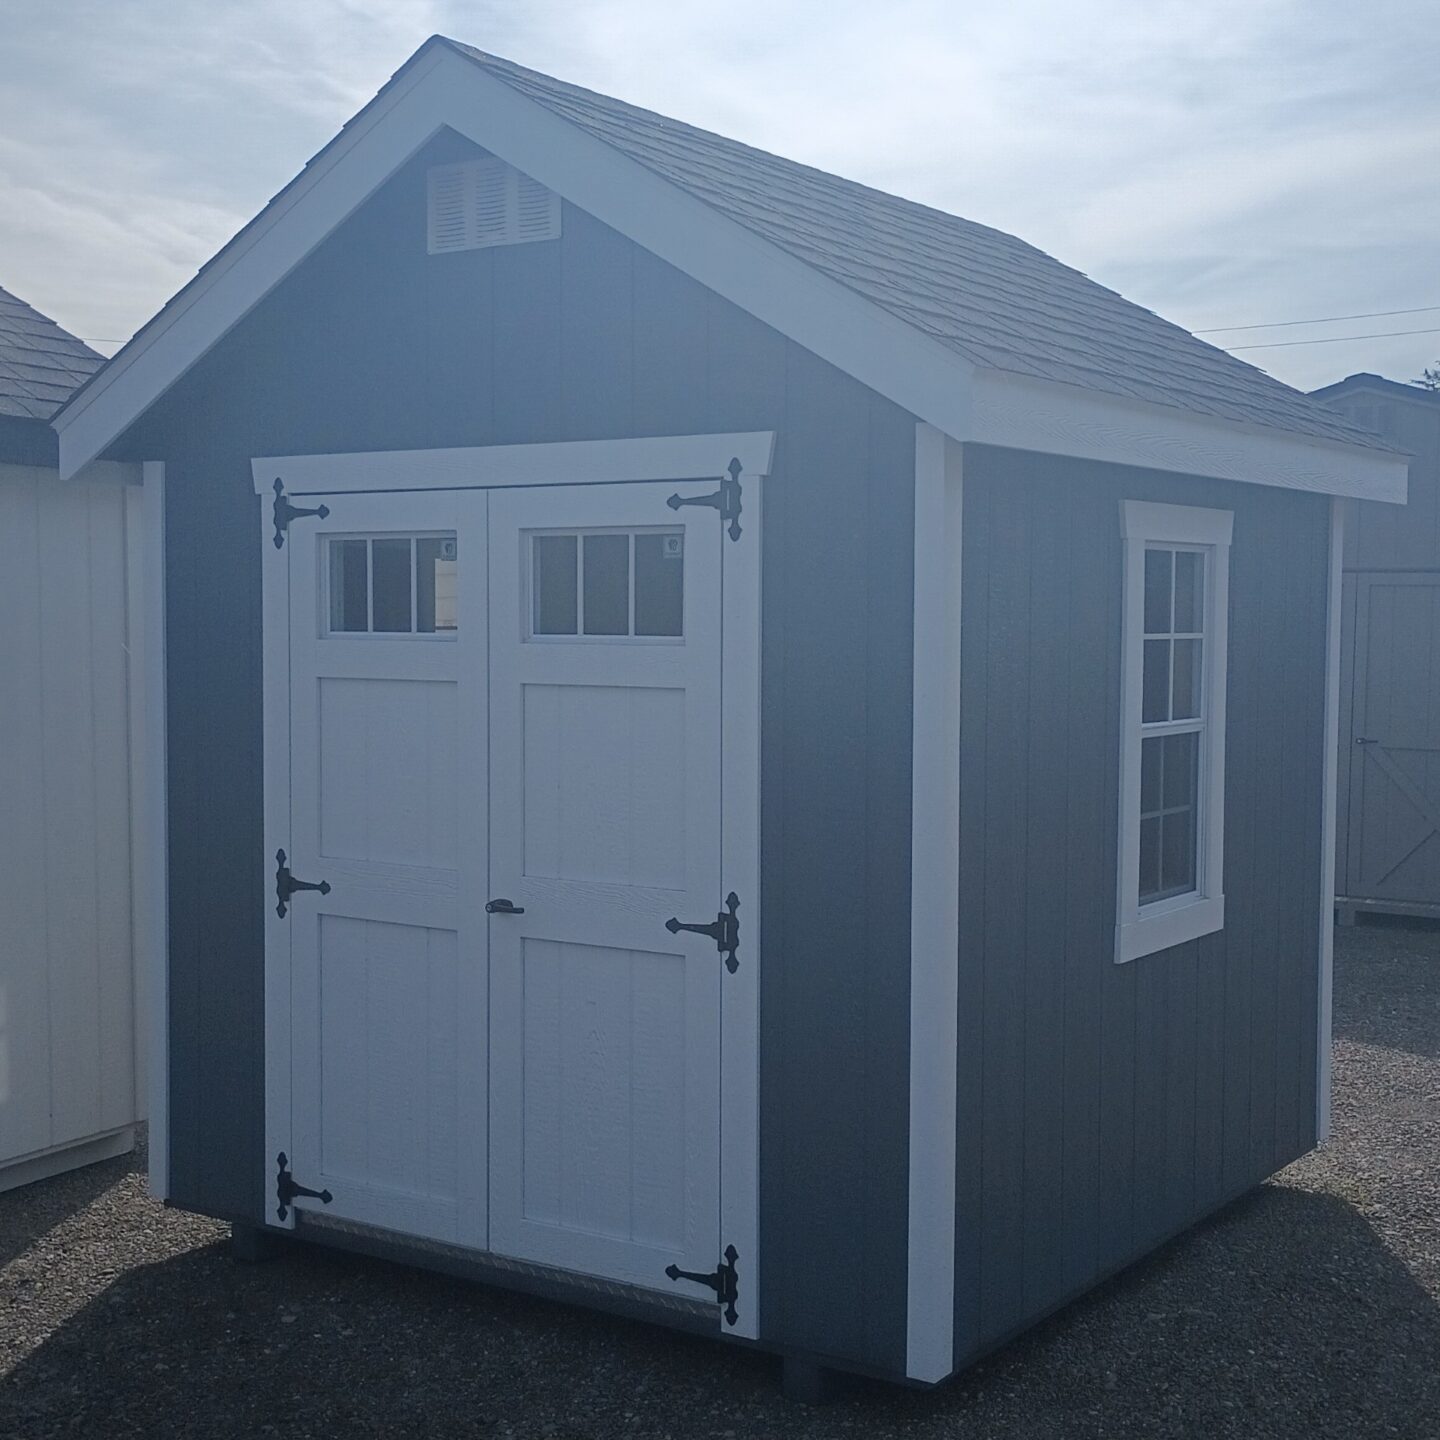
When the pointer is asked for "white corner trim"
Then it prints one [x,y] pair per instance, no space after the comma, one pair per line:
[591,462]
[934,907]
[1324,1055]
[150,825]
[1145,931]
[1025,414]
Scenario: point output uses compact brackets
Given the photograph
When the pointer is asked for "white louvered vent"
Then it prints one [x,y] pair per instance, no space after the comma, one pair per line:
[487,202]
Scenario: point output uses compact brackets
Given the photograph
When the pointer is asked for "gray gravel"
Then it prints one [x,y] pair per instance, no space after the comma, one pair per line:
[1307,1309]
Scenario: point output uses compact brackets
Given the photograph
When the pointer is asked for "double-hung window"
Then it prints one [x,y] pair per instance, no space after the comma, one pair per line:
[1172,734]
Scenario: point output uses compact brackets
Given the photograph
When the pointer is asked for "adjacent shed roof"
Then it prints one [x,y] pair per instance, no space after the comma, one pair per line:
[41,365]
[990,297]
[1364,380]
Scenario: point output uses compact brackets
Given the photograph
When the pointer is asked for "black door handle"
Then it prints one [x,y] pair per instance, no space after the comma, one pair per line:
[503,907]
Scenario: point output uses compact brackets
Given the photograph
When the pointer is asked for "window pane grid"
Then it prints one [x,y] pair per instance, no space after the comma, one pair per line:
[376,585]
[1171,721]
[607,585]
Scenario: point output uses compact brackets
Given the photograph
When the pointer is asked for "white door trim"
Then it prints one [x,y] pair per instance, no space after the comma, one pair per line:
[689,457]
[570,462]
[740,581]
[275,669]
[934,907]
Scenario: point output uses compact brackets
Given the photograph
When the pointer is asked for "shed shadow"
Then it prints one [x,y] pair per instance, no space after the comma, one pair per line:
[31,1211]
[1284,1316]
[1387,986]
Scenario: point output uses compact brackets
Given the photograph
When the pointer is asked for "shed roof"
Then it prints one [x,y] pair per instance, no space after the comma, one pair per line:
[974,332]
[41,365]
[992,298]
[1365,380]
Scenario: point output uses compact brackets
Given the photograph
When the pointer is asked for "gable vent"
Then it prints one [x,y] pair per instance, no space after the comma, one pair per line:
[487,202]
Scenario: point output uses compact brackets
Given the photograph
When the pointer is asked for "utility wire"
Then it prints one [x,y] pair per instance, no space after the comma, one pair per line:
[1321,320]
[1333,339]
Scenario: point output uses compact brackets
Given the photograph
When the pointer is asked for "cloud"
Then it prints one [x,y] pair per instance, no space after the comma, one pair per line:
[1220,163]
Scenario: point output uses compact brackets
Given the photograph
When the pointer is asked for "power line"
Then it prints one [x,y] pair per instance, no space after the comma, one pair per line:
[1320,320]
[1334,339]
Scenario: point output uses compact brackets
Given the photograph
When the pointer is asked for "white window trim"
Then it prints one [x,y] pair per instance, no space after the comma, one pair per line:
[1144,930]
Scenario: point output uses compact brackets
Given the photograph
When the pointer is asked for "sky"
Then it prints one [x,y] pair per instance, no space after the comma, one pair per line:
[1225,164]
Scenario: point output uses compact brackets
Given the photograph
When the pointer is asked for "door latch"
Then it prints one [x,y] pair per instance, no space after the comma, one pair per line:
[503,907]
[286,884]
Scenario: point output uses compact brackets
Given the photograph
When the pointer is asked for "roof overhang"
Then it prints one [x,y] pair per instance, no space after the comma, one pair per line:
[439,88]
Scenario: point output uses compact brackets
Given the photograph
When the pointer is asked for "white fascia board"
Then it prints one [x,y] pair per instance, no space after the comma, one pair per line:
[370,149]
[445,89]
[1024,414]
[879,349]
[441,88]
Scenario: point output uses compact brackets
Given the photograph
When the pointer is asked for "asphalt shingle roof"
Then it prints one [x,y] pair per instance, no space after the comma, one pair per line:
[991,298]
[41,365]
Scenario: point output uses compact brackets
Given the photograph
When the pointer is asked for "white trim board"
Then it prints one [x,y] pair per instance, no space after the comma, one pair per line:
[574,462]
[151,861]
[934,907]
[1024,414]
[1325,1040]
[439,88]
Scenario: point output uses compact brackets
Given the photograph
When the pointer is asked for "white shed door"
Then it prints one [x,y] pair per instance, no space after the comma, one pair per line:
[605,727]
[387,763]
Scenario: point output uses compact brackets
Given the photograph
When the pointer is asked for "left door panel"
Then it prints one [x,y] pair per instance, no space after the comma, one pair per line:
[387,970]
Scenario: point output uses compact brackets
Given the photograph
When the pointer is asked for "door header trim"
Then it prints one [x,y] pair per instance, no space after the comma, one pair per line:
[571,462]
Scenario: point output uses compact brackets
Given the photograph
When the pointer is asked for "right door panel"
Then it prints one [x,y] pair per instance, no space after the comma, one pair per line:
[605,817]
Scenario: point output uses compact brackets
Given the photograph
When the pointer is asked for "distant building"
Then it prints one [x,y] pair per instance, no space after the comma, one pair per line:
[1388,831]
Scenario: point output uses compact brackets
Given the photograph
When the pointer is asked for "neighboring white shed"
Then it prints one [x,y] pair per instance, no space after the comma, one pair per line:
[70,1087]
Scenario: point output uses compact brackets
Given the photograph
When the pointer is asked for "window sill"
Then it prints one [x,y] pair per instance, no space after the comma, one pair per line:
[1170,924]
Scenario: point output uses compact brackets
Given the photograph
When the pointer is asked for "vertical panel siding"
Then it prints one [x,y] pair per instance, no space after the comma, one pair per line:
[67,1035]
[583,338]
[1103,1107]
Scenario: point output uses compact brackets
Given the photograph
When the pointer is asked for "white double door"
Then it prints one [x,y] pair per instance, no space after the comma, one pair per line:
[508,695]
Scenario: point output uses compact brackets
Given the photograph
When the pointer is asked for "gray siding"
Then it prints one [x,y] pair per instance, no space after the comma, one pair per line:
[373,345]
[1104,1107]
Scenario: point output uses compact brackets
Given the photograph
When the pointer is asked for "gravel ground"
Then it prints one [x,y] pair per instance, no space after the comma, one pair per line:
[1307,1309]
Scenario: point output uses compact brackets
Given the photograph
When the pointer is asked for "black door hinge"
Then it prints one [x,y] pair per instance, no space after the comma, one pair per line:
[286,1189]
[724,931]
[725,1282]
[726,499]
[286,884]
[285,512]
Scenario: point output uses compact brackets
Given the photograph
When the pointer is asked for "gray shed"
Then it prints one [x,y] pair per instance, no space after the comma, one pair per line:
[740,749]
[1388,857]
